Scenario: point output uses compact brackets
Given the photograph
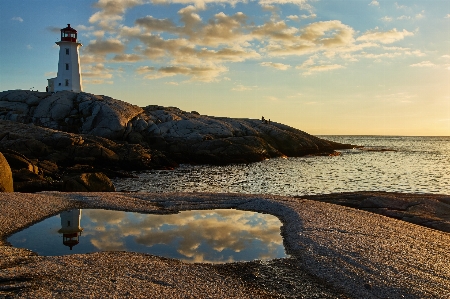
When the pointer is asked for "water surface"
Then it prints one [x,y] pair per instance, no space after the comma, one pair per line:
[217,236]
[411,164]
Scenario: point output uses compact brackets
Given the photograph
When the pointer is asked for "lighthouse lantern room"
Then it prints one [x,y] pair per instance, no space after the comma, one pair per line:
[69,70]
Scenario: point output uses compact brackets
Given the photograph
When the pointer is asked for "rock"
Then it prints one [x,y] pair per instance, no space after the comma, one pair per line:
[88,182]
[25,175]
[17,162]
[105,116]
[186,137]
[429,210]
[54,108]
[6,180]
[48,168]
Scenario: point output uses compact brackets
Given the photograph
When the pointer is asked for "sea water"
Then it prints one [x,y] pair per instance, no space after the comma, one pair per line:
[387,163]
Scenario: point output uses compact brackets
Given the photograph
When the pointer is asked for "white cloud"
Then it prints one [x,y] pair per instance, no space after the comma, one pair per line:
[201,48]
[29,47]
[420,16]
[400,6]
[278,66]
[447,16]
[310,67]
[98,71]
[374,3]
[145,69]
[424,64]
[19,19]
[385,37]
[386,19]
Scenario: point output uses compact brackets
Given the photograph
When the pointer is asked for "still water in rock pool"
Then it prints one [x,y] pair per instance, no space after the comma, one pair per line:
[217,236]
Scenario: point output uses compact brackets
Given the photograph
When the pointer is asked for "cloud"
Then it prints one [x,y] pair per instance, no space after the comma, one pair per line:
[29,47]
[386,19]
[105,46]
[53,29]
[241,87]
[201,48]
[218,231]
[320,68]
[447,16]
[90,58]
[152,24]
[197,73]
[145,69]
[278,66]
[400,6]
[374,3]
[18,19]
[385,37]
[98,71]
[419,16]
[424,64]
[127,58]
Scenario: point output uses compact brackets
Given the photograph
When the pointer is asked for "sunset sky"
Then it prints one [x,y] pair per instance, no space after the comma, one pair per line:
[323,66]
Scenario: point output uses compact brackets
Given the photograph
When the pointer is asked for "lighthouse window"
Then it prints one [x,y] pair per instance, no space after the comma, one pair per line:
[68,223]
[67,66]
[67,82]
[67,51]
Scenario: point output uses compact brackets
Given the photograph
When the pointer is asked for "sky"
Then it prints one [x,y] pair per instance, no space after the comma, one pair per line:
[353,67]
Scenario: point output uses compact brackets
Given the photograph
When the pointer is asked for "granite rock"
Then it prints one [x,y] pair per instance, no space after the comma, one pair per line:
[187,137]
[6,180]
[88,182]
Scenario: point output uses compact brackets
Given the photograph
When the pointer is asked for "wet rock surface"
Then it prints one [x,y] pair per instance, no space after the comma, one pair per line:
[336,252]
[428,210]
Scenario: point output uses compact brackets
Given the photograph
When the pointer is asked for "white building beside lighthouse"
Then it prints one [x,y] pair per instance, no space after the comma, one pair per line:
[69,70]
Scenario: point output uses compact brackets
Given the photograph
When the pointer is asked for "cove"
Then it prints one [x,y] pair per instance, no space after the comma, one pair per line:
[213,236]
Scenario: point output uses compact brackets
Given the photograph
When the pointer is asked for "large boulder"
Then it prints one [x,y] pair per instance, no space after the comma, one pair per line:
[70,112]
[6,181]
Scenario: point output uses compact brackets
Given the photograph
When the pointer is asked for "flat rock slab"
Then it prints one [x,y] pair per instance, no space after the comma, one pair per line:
[430,210]
[336,252]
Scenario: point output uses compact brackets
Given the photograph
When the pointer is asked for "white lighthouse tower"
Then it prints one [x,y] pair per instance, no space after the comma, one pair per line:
[70,227]
[69,71]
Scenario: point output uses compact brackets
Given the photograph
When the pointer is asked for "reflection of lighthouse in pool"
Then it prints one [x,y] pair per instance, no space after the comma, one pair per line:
[70,227]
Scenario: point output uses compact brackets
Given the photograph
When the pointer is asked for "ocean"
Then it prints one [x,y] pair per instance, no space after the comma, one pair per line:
[387,163]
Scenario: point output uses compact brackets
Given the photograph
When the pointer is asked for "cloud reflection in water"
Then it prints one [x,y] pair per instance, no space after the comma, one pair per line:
[196,236]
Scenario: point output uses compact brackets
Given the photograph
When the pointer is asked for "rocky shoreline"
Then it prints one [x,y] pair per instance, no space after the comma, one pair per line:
[336,252]
[57,135]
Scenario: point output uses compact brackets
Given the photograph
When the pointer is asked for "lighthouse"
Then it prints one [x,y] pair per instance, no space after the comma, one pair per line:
[69,71]
[70,227]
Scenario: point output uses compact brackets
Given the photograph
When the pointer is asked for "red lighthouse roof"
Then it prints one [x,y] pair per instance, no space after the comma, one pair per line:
[68,34]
